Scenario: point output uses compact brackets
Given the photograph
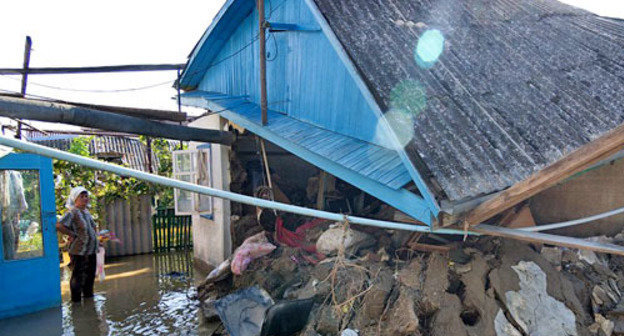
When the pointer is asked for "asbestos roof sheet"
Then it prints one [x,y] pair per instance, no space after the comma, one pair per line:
[518,84]
[131,151]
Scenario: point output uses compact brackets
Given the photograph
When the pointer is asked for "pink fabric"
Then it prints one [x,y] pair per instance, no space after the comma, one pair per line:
[252,248]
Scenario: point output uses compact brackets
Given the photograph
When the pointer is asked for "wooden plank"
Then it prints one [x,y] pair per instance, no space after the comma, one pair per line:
[119,217]
[543,238]
[155,244]
[428,247]
[127,222]
[146,223]
[575,162]
[135,224]
[320,196]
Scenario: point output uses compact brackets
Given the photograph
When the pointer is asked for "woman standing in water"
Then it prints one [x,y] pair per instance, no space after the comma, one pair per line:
[78,224]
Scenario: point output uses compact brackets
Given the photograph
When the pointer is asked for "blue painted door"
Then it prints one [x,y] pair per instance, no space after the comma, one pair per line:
[29,258]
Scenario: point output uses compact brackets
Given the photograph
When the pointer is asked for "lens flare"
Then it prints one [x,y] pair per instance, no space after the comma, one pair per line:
[429,48]
[401,123]
[409,96]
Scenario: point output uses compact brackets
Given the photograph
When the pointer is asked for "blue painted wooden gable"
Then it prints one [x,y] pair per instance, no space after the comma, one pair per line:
[309,82]
[305,77]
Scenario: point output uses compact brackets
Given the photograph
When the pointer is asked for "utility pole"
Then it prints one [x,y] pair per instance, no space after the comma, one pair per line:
[262,39]
[179,105]
[27,49]
[148,145]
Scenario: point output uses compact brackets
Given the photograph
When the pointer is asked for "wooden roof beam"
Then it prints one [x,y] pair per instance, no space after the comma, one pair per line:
[573,163]
[75,115]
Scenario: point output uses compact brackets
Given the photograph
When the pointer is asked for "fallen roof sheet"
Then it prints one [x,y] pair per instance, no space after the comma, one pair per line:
[518,85]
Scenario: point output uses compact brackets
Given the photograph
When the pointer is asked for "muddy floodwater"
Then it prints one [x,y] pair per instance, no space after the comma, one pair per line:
[142,295]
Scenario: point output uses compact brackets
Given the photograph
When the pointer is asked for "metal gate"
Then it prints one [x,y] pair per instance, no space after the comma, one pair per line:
[171,231]
[29,258]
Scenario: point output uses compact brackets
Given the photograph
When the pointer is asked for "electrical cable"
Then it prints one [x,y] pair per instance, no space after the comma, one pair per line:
[271,10]
[274,56]
[583,220]
[91,90]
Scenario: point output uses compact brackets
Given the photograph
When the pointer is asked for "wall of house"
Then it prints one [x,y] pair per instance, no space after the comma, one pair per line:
[212,241]
[305,77]
[596,191]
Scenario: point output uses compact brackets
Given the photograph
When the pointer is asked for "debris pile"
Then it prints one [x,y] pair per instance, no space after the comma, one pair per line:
[373,282]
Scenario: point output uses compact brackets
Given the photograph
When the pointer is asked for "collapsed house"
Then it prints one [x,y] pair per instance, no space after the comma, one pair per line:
[452,114]
[449,112]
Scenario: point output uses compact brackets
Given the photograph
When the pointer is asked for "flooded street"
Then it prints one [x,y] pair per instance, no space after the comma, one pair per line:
[142,295]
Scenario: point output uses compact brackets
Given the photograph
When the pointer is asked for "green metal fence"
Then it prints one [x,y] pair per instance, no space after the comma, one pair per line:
[171,231]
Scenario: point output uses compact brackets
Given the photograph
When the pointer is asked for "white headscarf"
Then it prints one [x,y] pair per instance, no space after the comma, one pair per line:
[73,194]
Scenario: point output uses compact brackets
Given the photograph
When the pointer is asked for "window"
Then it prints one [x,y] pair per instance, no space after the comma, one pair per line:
[192,166]
[21,214]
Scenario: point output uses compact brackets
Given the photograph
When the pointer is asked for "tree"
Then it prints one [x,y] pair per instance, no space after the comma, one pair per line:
[104,186]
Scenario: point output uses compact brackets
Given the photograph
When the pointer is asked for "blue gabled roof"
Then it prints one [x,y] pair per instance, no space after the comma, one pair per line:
[224,23]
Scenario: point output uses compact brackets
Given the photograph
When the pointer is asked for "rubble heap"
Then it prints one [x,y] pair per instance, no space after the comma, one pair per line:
[372,282]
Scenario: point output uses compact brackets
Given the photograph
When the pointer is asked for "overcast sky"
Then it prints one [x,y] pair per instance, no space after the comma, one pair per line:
[90,33]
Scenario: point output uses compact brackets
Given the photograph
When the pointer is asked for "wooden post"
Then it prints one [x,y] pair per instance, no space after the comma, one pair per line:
[320,197]
[149,154]
[27,49]
[155,231]
[262,41]
[266,164]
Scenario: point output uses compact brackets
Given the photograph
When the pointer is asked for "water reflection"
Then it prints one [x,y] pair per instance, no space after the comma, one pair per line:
[142,295]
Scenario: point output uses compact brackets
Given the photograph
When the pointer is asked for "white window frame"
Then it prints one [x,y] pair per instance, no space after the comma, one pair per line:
[200,173]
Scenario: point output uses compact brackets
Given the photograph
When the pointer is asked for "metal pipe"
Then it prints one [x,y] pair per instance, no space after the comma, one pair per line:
[123,171]
[88,117]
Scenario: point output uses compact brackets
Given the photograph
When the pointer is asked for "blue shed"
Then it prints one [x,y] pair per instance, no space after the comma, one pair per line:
[428,106]
[29,264]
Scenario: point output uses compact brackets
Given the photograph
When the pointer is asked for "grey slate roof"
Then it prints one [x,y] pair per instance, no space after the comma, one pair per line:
[519,84]
[133,153]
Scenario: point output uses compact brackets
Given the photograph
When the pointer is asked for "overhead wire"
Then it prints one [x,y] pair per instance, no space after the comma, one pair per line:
[256,37]
[53,87]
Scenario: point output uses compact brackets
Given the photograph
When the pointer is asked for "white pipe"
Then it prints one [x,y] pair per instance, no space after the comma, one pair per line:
[573,222]
[123,171]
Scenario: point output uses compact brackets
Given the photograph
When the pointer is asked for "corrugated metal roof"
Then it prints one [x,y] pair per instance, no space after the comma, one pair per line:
[374,162]
[518,85]
[132,152]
